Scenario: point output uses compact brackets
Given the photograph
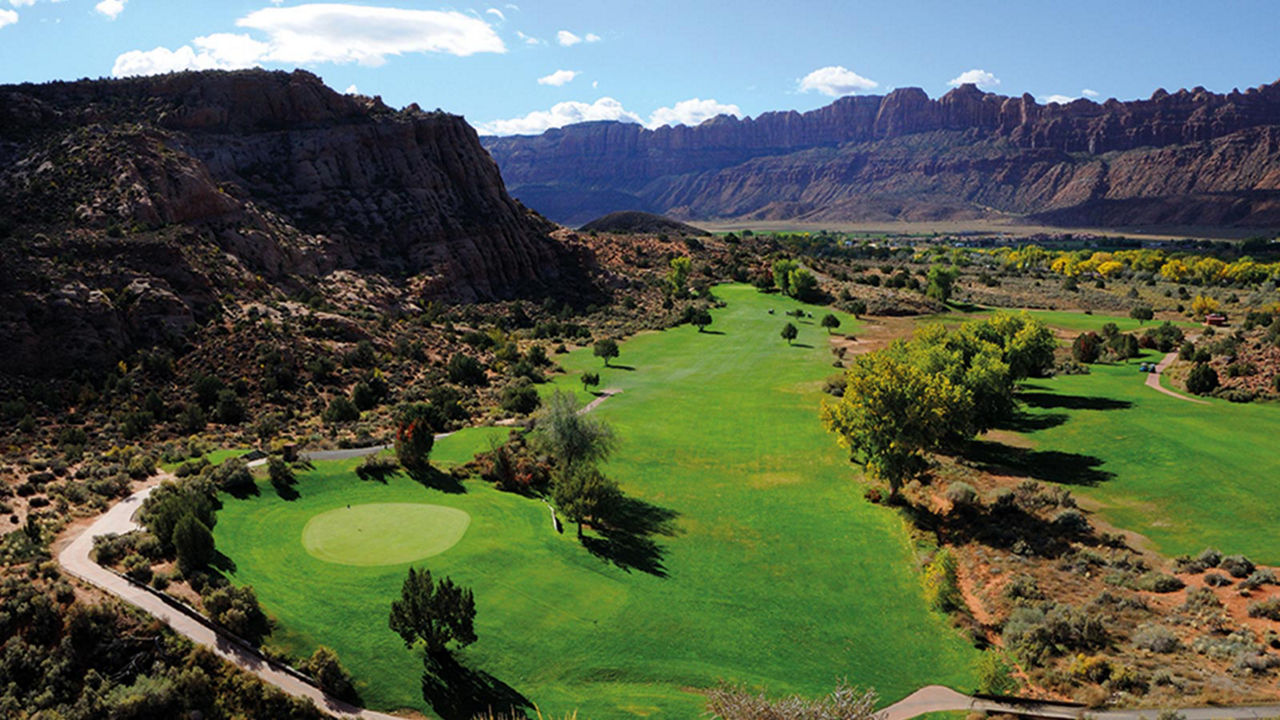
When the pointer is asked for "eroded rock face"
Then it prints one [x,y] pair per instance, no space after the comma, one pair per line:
[951,157]
[247,178]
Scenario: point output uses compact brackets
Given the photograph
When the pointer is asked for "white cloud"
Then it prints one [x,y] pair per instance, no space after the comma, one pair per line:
[976,76]
[311,34]
[595,83]
[220,51]
[560,114]
[528,39]
[1090,93]
[691,112]
[686,112]
[835,80]
[21,3]
[8,17]
[496,13]
[558,78]
[319,33]
[110,8]
[568,39]
[352,90]
[1060,99]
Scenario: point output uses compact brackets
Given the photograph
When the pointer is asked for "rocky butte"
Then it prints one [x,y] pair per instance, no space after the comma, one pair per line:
[135,208]
[1188,158]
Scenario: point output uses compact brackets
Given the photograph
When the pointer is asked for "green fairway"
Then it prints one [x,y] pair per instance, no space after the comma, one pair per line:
[383,533]
[1069,321]
[1183,474]
[754,557]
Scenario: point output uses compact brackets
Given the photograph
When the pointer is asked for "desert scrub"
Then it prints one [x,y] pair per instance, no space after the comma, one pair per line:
[1155,638]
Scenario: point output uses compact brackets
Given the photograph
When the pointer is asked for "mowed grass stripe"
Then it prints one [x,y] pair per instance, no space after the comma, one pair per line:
[777,573]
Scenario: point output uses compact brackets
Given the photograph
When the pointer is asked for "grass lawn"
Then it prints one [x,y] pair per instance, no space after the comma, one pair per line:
[1076,322]
[769,567]
[215,457]
[1185,475]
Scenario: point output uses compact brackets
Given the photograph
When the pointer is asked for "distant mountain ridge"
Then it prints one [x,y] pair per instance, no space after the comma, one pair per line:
[1191,157]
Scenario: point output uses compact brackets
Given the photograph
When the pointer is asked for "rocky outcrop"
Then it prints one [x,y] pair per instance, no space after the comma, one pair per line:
[967,153]
[235,180]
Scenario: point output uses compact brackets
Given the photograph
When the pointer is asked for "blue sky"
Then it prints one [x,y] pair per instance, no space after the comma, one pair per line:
[525,66]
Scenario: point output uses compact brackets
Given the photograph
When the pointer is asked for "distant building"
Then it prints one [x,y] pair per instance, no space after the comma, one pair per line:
[1215,319]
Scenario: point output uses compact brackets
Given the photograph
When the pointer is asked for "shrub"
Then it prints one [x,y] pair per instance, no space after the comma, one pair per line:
[1269,609]
[193,544]
[1202,379]
[1216,580]
[1209,557]
[228,410]
[1071,522]
[1257,579]
[329,674]
[233,476]
[1086,348]
[465,370]
[940,583]
[237,609]
[138,568]
[1238,566]
[1158,582]
[962,495]
[340,410]
[1023,587]
[520,397]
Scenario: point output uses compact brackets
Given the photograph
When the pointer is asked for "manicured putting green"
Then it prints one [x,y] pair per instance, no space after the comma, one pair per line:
[383,533]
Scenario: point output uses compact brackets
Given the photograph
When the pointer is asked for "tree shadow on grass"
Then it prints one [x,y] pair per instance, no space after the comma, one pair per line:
[243,492]
[377,473]
[288,493]
[802,345]
[626,536]
[628,368]
[711,332]
[1072,402]
[1022,422]
[437,479]
[1050,465]
[456,691]
[222,563]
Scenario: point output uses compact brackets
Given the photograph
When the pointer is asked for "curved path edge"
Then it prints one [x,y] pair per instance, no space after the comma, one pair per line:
[1153,380]
[75,559]
[936,698]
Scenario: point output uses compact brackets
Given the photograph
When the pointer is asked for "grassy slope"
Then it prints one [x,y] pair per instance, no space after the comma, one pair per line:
[1184,475]
[780,574]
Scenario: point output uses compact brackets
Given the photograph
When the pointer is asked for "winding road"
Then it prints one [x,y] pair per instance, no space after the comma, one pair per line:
[1153,380]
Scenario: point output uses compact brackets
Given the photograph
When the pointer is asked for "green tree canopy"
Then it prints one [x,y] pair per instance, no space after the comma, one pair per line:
[414,435]
[436,613]
[193,544]
[582,493]
[606,348]
[893,412]
[789,333]
[569,437]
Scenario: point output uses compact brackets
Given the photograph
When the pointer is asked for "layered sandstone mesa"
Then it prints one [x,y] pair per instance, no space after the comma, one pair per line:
[133,208]
[1191,157]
